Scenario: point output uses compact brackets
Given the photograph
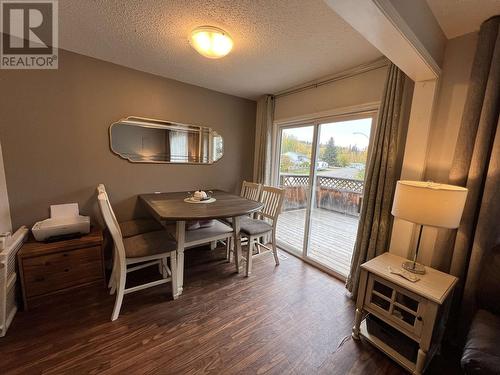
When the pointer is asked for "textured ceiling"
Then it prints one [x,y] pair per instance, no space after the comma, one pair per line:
[458,17]
[278,43]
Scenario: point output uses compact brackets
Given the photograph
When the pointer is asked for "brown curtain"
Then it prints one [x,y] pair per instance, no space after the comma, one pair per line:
[475,165]
[263,139]
[384,169]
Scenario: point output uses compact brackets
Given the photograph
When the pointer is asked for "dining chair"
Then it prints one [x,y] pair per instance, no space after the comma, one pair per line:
[128,228]
[249,190]
[133,227]
[139,251]
[263,224]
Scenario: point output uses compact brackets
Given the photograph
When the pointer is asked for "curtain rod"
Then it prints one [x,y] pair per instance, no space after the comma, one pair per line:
[374,65]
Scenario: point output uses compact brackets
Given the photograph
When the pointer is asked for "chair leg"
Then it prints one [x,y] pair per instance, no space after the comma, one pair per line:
[169,271]
[228,249]
[249,256]
[119,296]
[112,278]
[275,250]
[164,268]
[113,285]
[173,267]
[113,272]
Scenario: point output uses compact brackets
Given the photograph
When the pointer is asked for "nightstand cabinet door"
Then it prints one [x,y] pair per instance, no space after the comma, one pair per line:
[404,309]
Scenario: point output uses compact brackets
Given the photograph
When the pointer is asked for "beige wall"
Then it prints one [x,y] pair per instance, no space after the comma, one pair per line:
[415,154]
[5,221]
[457,65]
[357,90]
[54,135]
[454,83]
[442,137]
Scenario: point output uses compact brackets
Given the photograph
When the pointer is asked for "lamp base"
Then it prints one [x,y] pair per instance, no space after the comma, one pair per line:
[413,267]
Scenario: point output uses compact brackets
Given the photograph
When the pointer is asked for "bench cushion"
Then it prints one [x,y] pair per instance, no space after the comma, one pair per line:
[229,220]
[481,353]
[217,230]
[138,226]
[150,243]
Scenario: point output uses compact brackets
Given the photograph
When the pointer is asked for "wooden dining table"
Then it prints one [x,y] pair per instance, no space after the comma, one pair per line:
[170,207]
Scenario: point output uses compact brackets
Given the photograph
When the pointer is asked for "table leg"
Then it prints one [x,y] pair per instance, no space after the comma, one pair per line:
[237,242]
[173,265]
[180,234]
[358,315]
[419,366]
[359,304]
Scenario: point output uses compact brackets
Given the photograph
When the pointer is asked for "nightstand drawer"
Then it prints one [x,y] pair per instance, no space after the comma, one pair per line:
[49,273]
[399,306]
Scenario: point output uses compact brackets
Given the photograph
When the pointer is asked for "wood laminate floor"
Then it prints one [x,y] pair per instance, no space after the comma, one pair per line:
[291,319]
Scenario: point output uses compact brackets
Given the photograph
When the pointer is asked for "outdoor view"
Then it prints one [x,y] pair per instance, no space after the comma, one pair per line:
[342,151]
[338,190]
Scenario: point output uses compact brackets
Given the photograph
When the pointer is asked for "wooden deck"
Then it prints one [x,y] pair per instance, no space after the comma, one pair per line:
[331,240]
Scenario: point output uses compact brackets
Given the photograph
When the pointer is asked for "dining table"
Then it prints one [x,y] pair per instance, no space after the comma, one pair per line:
[172,207]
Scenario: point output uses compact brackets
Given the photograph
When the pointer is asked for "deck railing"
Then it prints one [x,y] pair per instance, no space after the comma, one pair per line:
[332,193]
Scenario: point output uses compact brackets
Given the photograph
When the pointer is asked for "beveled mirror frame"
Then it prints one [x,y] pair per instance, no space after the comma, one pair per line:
[168,125]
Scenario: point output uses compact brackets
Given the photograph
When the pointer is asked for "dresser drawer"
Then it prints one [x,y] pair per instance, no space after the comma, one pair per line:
[53,272]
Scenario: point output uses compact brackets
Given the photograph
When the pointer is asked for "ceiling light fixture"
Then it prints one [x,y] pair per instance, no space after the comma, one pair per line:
[211,42]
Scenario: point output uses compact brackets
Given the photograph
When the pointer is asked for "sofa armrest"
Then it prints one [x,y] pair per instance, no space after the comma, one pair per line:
[482,350]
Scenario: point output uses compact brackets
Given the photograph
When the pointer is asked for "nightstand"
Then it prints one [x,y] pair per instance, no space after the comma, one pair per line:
[49,268]
[405,320]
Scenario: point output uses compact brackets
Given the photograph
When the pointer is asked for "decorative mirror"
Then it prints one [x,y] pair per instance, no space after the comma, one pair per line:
[142,140]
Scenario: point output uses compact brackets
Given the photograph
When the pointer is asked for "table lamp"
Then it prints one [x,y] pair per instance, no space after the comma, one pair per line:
[428,203]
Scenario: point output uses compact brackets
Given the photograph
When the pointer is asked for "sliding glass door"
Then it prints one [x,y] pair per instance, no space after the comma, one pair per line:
[321,168]
[296,153]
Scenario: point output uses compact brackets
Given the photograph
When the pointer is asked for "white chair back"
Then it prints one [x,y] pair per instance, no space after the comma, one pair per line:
[251,190]
[102,189]
[272,198]
[113,227]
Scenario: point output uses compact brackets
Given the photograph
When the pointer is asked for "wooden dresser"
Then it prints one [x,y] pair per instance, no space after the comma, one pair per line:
[49,268]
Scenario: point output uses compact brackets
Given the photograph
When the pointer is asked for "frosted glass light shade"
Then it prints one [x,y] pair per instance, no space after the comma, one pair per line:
[211,42]
[429,203]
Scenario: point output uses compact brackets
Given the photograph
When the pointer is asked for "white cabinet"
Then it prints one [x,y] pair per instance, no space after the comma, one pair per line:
[390,302]
[8,279]
[414,311]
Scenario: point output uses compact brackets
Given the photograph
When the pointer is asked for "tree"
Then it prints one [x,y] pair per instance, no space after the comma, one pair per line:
[343,160]
[289,143]
[360,175]
[330,153]
[285,164]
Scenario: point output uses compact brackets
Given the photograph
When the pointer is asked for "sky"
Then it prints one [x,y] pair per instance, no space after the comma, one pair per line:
[341,131]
